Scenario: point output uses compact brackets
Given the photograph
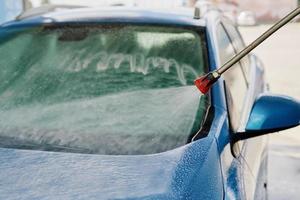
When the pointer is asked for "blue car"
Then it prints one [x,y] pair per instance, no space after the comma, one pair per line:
[100,103]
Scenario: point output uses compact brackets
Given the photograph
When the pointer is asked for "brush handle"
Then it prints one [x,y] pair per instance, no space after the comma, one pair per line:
[258,41]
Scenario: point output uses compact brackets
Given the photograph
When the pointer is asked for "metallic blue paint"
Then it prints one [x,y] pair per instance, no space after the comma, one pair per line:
[109,16]
[274,112]
[189,172]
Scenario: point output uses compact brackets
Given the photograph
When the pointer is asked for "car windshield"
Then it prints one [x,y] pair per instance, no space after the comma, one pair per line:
[117,90]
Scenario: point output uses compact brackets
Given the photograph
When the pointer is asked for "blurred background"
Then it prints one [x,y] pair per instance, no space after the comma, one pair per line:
[265,11]
[279,54]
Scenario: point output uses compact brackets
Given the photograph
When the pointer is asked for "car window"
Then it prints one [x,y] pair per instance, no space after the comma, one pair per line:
[234,77]
[238,45]
[100,89]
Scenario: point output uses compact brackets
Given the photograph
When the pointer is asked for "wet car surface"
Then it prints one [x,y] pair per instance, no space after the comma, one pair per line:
[101,104]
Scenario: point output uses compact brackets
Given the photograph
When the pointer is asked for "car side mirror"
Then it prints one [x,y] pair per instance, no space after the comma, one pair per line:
[271,113]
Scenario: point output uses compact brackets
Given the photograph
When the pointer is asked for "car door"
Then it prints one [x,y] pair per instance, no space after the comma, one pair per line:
[238,89]
[238,177]
[253,150]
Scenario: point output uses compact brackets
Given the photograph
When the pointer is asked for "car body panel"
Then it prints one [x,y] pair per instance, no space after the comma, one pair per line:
[245,174]
[255,150]
[109,16]
[185,173]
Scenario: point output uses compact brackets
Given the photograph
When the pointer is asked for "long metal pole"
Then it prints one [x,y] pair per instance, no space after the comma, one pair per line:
[258,41]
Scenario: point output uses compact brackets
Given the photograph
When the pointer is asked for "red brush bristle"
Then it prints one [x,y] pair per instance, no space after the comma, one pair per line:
[204,83]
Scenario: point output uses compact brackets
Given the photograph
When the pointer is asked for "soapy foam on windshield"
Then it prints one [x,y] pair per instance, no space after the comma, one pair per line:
[105,100]
[102,124]
[137,63]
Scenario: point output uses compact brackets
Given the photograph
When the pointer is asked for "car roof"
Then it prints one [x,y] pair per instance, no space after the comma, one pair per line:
[180,17]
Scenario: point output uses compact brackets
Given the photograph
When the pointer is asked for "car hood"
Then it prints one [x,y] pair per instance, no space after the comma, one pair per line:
[189,172]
